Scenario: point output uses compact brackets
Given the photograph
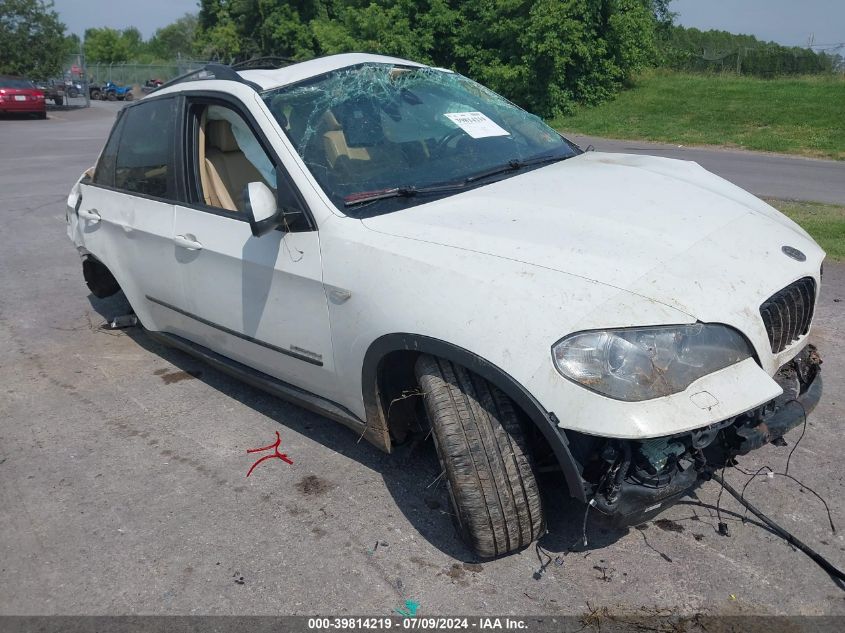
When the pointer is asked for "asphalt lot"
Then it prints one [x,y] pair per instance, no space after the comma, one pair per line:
[123,463]
[768,175]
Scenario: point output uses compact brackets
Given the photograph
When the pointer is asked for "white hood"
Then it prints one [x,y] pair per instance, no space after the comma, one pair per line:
[664,229]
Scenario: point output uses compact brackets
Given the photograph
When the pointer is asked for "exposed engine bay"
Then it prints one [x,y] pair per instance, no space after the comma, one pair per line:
[632,480]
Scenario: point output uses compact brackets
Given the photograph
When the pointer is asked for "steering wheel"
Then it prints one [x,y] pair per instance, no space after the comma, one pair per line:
[443,143]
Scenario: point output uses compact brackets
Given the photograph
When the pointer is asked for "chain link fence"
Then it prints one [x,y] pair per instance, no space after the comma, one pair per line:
[80,83]
[139,78]
[70,88]
[763,61]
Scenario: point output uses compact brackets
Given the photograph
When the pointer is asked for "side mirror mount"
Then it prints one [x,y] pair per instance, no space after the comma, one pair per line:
[264,212]
[261,208]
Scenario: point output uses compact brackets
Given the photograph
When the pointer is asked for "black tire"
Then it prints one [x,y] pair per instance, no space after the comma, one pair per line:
[42,115]
[59,100]
[111,96]
[129,96]
[484,452]
[95,94]
[98,278]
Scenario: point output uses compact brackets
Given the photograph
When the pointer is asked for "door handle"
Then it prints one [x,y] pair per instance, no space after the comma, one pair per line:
[187,242]
[92,215]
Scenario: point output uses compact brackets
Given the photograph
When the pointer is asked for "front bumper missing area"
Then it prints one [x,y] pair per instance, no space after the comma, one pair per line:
[643,478]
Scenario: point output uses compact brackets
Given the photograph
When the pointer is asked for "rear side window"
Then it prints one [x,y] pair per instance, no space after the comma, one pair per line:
[104,173]
[144,161]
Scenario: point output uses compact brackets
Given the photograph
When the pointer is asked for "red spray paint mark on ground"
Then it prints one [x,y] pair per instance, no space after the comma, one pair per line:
[275,455]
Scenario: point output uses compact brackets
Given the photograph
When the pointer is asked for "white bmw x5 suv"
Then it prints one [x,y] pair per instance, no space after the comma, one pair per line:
[348,230]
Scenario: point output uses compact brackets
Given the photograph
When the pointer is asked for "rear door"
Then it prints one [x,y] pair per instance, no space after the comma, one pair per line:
[127,208]
[258,300]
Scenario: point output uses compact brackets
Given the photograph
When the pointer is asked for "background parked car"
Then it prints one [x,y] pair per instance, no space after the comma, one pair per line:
[19,95]
[53,90]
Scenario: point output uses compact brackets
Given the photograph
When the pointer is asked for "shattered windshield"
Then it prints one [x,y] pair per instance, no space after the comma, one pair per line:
[386,136]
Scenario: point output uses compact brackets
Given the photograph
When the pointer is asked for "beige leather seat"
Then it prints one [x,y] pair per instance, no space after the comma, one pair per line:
[227,168]
[334,141]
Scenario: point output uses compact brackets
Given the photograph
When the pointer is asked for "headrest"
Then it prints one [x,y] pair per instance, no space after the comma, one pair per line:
[298,121]
[277,107]
[329,122]
[361,121]
[220,136]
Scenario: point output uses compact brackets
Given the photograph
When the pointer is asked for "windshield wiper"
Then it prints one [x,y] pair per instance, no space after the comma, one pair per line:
[407,191]
[398,192]
[379,194]
[513,165]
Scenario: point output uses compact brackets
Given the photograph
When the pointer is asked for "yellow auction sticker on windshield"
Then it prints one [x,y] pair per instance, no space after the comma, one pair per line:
[476,124]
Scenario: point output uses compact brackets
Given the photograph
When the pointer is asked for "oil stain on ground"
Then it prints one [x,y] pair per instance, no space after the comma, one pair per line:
[668,525]
[311,485]
[458,571]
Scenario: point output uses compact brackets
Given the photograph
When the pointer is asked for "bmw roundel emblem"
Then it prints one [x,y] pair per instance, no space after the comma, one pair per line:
[794,253]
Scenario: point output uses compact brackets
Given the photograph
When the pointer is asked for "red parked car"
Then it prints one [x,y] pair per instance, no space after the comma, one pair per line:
[19,95]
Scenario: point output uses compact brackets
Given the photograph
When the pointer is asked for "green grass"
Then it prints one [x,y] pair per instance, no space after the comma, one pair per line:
[825,222]
[803,115]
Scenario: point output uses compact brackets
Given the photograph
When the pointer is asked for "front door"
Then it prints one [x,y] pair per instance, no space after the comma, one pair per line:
[257,300]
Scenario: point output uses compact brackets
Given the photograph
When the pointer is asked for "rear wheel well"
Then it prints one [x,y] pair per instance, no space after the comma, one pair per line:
[98,277]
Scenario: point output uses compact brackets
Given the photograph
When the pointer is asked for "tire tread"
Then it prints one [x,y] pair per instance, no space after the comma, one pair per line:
[484,453]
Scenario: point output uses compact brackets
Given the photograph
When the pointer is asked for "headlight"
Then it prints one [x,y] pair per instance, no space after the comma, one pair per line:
[643,363]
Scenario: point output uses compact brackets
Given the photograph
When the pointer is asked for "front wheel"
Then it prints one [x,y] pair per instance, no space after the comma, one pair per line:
[484,453]
[112,96]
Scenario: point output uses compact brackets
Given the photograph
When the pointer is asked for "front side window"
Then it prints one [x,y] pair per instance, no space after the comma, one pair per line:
[396,131]
[229,156]
[144,162]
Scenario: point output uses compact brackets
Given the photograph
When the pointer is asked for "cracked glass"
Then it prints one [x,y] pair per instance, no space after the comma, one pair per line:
[384,136]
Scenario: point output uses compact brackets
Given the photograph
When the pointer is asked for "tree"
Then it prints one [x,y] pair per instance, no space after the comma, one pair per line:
[251,28]
[219,37]
[106,46]
[31,38]
[175,39]
[222,41]
[388,28]
[72,44]
[543,54]
[134,41]
[546,55]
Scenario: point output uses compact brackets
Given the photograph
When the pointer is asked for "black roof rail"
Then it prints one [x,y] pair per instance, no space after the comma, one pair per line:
[208,72]
[264,63]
